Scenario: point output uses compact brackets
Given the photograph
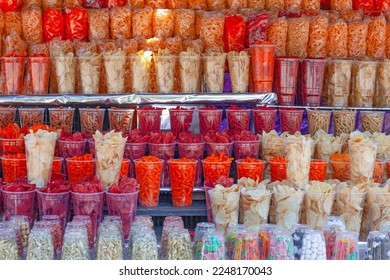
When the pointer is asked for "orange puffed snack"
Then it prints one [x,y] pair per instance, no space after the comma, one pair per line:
[14,167]
[278,167]
[318,170]
[182,173]
[124,168]
[340,164]
[215,166]
[250,168]
[80,167]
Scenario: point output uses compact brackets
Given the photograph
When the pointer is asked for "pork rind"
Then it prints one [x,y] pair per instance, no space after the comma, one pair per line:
[337,39]
[13,23]
[277,34]
[120,23]
[190,71]
[311,5]
[318,119]
[318,203]
[339,81]
[298,36]
[357,36]
[255,200]
[289,4]
[155,4]
[363,82]
[51,4]
[383,82]
[185,23]
[376,37]
[136,4]
[90,65]
[14,44]
[298,154]
[362,153]
[288,203]
[372,121]
[193,45]
[214,71]
[164,65]
[140,65]
[99,24]
[32,25]
[142,23]
[211,33]
[224,206]
[216,4]
[81,48]
[318,31]
[72,3]
[109,149]
[274,5]
[344,122]
[272,145]
[163,23]
[256,4]
[341,5]
[378,206]
[327,144]
[239,71]
[176,4]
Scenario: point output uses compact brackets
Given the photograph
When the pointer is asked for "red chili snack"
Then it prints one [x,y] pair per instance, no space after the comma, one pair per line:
[222,180]
[53,24]
[318,170]
[125,185]
[181,119]
[234,33]
[246,144]
[264,119]
[136,136]
[149,119]
[80,167]
[215,166]
[193,150]
[188,138]
[148,171]
[250,168]
[124,168]
[76,24]
[238,119]
[162,138]
[365,5]
[256,29]
[291,120]
[218,137]
[182,173]
[13,131]
[11,5]
[278,167]
[14,167]
[210,119]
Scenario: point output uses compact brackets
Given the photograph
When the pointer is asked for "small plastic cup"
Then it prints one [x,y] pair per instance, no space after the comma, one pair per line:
[39,69]
[123,205]
[278,170]
[54,204]
[286,79]
[262,58]
[372,121]
[341,170]
[345,201]
[243,149]
[91,146]
[13,70]
[209,120]
[12,146]
[316,217]
[79,169]
[264,119]
[61,118]
[31,116]
[57,165]
[252,170]
[291,120]
[125,167]
[165,72]
[91,120]
[217,148]
[7,115]
[379,171]
[214,72]
[318,170]
[180,120]
[19,203]
[149,120]
[238,120]
[182,182]
[121,119]
[344,122]
[132,152]
[164,152]
[13,168]
[213,170]
[140,74]
[193,151]
[312,79]
[208,204]
[70,149]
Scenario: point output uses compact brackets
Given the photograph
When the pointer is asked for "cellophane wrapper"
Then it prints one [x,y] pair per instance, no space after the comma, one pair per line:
[341,5]
[129,47]
[32,25]
[13,23]
[363,82]
[318,31]
[339,82]
[65,67]
[298,154]
[185,24]
[376,37]
[142,23]
[109,149]
[311,5]
[351,15]
[90,64]
[140,64]
[14,44]
[239,71]
[362,157]
[337,39]
[40,148]
[120,23]
[99,24]
[298,36]
[176,4]
[357,36]
[211,32]
[72,3]
[163,23]
[274,5]
[383,86]
[256,4]
[114,64]
[82,49]
[277,34]
[164,65]
[197,5]
[214,70]
[190,71]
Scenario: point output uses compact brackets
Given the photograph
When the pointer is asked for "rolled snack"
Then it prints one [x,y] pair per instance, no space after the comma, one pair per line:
[40,148]
[378,205]
[319,202]
[114,65]
[339,81]
[224,206]
[318,119]
[239,71]
[298,154]
[164,64]
[140,64]
[190,71]
[109,149]
[344,122]
[288,203]
[362,154]
[372,121]
[214,69]
[89,64]
[144,246]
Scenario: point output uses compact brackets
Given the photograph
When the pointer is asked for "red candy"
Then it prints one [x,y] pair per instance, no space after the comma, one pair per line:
[234,33]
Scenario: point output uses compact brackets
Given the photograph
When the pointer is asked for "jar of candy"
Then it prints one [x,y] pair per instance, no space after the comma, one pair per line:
[378,246]
[200,230]
[313,246]
[40,245]
[246,246]
[332,227]
[281,246]
[8,244]
[144,245]
[179,245]
[346,247]
[231,237]
[297,235]
[75,245]
[213,246]
[109,245]
[264,235]
[24,228]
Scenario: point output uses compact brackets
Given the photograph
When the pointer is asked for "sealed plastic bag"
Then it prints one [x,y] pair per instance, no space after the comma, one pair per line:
[288,4]
[237,4]
[298,36]
[365,5]
[357,38]
[184,23]
[53,24]
[277,5]
[72,3]
[256,4]
[256,29]
[337,39]
[212,30]
[142,23]
[197,4]
[120,23]
[376,37]
[176,4]
[341,5]
[99,24]
[14,45]
[13,23]
[311,5]
[137,4]
[234,33]
[51,4]
[277,34]
[11,5]
[155,4]
[193,45]
[216,4]
[32,25]
[76,24]
[318,36]
[163,23]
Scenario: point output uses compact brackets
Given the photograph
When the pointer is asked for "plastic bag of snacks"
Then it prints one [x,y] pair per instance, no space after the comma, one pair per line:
[341,5]
[311,5]
[53,24]
[56,46]
[298,36]
[339,81]
[239,71]
[143,23]
[76,24]
[99,24]
[211,33]
[176,4]
[163,23]
[32,25]
[214,70]
[277,34]
[51,4]
[376,37]
[318,31]
[357,35]
[337,39]
[234,33]
[274,5]
[363,82]
[69,3]
[13,23]
[164,65]
[256,29]
[14,46]
[120,23]
[184,23]
[383,86]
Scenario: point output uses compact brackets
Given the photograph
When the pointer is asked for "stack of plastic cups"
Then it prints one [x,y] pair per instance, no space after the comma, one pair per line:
[286,79]
[312,77]
[262,60]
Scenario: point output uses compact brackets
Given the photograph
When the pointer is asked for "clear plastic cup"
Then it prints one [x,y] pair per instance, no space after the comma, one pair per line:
[318,119]
[210,120]
[164,152]
[182,182]
[362,158]
[372,121]
[344,122]
[165,72]
[278,170]
[264,119]
[214,72]
[123,205]
[83,222]
[291,120]
[180,120]
[132,152]
[318,170]
[13,168]
[61,118]
[91,146]
[140,74]
[243,149]
[238,120]
[89,68]
[7,115]
[190,72]
[30,116]
[318,208]
[213,170]
[120,119]
[91,120]
[364,77]
[193,151]
[65,71]
[39,69]
[149,120]
[70,149]
[57,165]
[262,58]
[379,171]
[252,170]
[288,208]
[79,169]
[312,79]
[350,206]
[19,203]
[200,230]
[286,79]
[11,146]
[13,70]
[339,81]
[217,148]
[314,247]
[246,246]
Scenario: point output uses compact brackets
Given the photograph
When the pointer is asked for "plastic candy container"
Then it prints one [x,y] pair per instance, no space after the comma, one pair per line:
[265,234]
[298,234]
[246,246]
[281,247]
[231,238]
[40,245]
[200,230]
[213,247]
[378,246]
[346,246]
[313,246]
[332,227]
[75,245]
